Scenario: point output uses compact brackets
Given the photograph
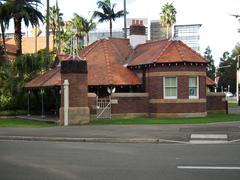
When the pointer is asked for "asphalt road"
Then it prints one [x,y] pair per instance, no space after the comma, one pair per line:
[90,161]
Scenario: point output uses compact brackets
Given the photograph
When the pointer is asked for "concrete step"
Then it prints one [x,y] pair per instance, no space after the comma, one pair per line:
[208,138]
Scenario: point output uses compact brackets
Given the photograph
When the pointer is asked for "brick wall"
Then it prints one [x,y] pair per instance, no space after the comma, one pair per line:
[182,105]
[123,104]
[130,104]
[216,103]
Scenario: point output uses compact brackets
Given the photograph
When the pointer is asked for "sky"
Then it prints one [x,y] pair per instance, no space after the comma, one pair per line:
[219,29]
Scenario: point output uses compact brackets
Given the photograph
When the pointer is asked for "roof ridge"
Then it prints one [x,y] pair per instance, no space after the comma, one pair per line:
[90,49]
[192,50]
[118,52]
[180,53]
[163,50]
[108,64]
[151,42]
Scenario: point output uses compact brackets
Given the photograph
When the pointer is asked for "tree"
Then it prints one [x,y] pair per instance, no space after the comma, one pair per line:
[88,25]
[236,50]
[83,26]
[168,16]
[227,74]
[210,67]
[23,10]
[108,13]
[4,22]
[55,20]
[77,24]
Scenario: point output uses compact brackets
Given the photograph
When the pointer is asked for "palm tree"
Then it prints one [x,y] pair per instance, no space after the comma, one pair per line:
[4,22]
[23,10]
[77,24]
[55,17]
[107,13]
[88,25]
[168,16]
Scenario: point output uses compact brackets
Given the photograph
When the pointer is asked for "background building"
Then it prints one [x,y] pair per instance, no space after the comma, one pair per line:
[158,31]
[189,34]
[96,35]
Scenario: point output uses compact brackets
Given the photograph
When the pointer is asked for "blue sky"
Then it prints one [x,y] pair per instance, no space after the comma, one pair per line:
[219,29]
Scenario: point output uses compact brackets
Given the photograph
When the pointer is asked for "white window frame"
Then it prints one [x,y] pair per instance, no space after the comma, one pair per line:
[164,93]
[197,96]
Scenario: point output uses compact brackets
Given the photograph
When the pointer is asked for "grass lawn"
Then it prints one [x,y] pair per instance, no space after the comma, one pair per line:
[20,123]
[208,119]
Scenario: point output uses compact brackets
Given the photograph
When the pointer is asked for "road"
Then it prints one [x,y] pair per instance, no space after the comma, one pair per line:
[90,161]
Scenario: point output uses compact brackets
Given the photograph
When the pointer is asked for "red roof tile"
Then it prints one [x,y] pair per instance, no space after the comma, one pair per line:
[106,58]
[49,78]
[209,81]
[105,67]
[165,52]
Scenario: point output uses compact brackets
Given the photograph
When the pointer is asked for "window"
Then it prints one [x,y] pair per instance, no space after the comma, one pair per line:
[193,87]
[170,87]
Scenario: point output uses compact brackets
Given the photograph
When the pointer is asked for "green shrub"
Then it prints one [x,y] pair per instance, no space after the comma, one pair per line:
[13,113]
[5,102]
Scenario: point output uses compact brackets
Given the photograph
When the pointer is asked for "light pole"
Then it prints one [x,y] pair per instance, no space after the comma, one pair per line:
[125,19]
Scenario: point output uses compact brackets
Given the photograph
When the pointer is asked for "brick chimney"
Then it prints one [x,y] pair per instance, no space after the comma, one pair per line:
[75,71]
[137,33]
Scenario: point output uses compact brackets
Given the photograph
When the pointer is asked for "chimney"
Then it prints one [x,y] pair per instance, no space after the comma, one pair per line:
[137,33]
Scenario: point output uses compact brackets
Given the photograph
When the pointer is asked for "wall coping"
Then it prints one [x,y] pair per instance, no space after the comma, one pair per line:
[215,94]
[176,101]
[130,95]
[92,95]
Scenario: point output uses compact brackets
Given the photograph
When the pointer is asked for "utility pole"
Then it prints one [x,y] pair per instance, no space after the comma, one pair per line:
[125,19]
[59,29]
[238,76]
[36,34]
[47,30]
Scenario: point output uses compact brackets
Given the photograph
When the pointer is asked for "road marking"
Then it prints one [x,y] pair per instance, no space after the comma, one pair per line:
[209,136]
[208,142]
[209,167]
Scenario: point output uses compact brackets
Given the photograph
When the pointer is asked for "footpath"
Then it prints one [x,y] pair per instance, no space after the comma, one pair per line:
[127,133]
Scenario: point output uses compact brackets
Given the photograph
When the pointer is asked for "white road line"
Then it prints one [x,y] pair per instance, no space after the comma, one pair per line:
[207,142]
[209,136]
[209,167]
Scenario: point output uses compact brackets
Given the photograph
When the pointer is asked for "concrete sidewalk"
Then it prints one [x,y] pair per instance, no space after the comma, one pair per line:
[121,133]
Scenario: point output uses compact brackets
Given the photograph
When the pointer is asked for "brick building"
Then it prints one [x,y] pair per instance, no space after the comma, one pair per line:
[160,78]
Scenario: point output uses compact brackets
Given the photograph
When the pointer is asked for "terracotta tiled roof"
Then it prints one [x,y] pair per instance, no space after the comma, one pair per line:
[105,65]
[209,82]
[105,62]
[48,79]
[106,58]
[28,44]
[165,52]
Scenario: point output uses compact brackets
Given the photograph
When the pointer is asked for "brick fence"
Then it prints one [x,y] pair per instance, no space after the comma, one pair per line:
[139,104]
[130,104]
[217,103]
